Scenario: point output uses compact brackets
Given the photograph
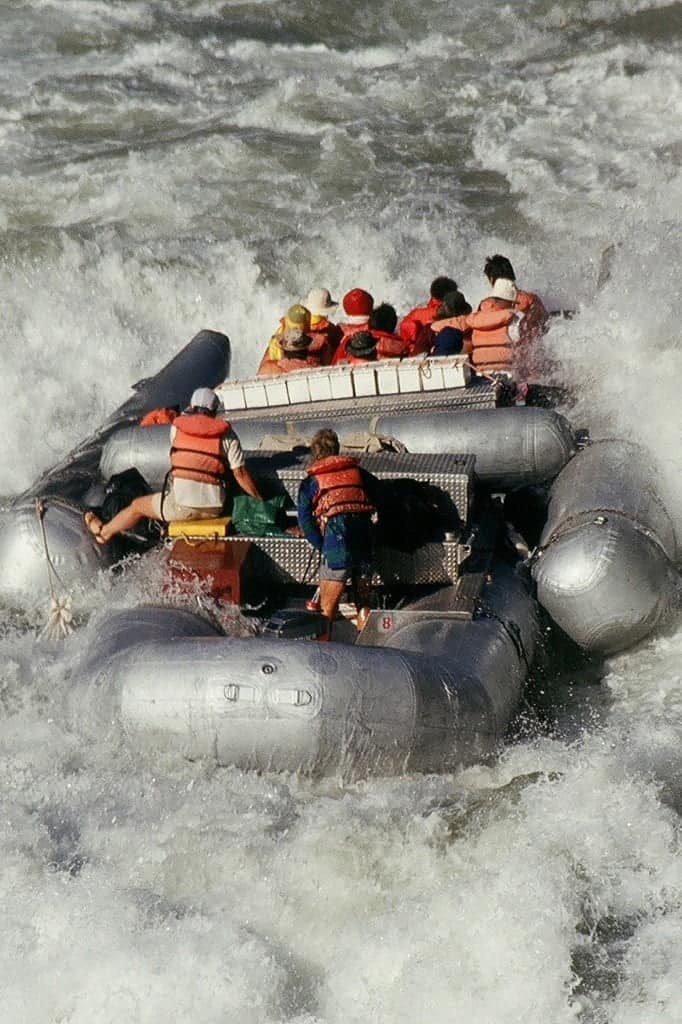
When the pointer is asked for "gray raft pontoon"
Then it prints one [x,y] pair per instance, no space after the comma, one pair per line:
[170,682]
[433,679]
[605,566]
[46,521]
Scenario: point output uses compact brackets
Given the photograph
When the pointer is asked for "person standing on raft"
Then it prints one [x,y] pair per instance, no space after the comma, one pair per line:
[204,450]
[336,504]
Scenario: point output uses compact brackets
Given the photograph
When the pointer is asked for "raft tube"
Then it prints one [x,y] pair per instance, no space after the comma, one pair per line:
[513,446]
[172,685]
[605,567]
[46,521]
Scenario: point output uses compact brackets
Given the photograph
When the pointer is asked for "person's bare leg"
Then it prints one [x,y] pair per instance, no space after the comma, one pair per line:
[126,519]
[363,593]
[330,599]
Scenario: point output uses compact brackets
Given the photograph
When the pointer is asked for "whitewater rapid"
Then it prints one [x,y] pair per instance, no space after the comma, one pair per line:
[168,166]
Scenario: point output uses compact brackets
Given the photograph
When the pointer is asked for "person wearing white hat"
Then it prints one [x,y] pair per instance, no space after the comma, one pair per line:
[498,268]
[325,335]
[504,289]
[204,451]
[319,302]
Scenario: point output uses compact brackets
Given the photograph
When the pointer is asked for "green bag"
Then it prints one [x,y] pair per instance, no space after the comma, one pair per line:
[254,518]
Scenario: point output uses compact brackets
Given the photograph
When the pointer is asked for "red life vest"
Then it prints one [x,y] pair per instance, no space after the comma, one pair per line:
[197,452]
[326,336]
[536,316]
[417,318]
[357,360]
[348,329]
[341,488]
[287,364]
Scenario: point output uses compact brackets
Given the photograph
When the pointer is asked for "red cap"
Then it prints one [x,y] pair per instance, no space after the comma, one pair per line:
[358,303]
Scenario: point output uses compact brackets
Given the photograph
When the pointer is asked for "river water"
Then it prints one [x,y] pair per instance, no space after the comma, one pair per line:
[170,165]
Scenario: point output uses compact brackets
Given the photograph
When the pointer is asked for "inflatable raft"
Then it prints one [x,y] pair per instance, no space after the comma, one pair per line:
[436,674]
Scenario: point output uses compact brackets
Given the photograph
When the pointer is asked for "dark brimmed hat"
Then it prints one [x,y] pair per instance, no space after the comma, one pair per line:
[362,344]
[295,340]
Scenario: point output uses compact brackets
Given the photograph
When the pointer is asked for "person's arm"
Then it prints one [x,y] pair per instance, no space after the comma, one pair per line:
[409,326]
[372,486]
[246,482]
[235,461]
[304,510]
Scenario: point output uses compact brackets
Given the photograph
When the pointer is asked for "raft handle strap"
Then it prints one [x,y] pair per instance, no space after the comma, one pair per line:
[596,517]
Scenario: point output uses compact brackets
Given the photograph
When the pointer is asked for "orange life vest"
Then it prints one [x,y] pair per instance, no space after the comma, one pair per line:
[389,346]
[157,417]
[491,345]
[287,364]
[197,452]
[341,488]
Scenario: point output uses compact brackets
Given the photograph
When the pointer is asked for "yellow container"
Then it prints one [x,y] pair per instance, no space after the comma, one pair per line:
[200,527]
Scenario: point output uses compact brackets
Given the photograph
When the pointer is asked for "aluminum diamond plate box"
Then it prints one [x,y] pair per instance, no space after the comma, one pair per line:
[481,394]
[289,559]
[452,474]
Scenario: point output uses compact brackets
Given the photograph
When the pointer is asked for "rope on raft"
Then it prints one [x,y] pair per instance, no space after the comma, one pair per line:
[60,616]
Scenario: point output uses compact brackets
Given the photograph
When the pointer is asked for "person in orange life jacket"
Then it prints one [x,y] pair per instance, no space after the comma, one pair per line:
[361,347]
[420,315]
[495,330]
[382,324]
[296,318]
[336,502]
[203,449]
[452,312]
[325,334]
[535,315]
[357,308]
[295,355]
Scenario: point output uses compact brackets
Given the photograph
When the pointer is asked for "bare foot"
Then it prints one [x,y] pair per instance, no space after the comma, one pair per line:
[363,615]
[94,525]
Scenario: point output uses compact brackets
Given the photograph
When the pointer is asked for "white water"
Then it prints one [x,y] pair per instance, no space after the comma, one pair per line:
[167,167]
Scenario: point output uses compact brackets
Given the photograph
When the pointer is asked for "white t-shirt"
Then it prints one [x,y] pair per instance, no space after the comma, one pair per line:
[194,493]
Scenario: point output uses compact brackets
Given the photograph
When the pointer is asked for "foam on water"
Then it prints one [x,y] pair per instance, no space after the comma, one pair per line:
[208,178]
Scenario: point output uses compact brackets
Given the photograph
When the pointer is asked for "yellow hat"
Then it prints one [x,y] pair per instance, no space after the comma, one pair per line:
[297,316]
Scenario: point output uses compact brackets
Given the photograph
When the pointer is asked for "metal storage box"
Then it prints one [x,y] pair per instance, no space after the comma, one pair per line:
[364,379]
[232,395]
[297,387]
[387,377]
[255,394]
